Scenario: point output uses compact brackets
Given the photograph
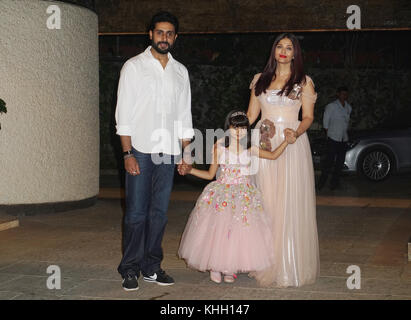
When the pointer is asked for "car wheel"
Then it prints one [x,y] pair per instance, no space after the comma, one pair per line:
[376,165]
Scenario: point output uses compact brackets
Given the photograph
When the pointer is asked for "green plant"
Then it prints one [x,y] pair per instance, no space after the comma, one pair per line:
[3,108]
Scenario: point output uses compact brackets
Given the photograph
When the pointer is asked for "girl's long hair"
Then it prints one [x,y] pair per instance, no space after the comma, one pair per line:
[297,68]
[237,121]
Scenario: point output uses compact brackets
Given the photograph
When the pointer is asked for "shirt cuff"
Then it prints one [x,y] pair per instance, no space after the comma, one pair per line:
[186,133]
[123,130]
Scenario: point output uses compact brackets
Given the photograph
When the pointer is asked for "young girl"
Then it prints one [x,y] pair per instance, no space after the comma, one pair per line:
[227,232]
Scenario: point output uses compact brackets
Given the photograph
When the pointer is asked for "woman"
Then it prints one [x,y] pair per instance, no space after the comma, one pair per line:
[287,184]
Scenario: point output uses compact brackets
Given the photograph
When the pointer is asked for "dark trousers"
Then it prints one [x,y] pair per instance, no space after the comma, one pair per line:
[334,157]
[147,199]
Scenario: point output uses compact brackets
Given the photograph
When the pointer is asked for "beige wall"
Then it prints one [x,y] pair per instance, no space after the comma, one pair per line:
[49,141]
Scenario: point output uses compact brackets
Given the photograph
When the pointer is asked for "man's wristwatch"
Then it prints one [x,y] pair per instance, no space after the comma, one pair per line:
[125,153]
[128,154]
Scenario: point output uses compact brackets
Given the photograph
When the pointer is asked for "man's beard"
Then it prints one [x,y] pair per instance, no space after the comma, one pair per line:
[159,50]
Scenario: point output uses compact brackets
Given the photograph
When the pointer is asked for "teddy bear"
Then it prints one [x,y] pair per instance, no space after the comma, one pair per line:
[267,131]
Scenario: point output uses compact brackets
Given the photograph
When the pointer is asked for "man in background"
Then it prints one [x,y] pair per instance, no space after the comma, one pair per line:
[335,122]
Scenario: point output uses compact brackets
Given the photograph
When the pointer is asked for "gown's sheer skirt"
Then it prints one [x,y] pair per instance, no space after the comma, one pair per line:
[287,187]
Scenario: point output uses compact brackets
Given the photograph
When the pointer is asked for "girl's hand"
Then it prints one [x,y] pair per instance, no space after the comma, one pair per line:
[290,135]
[188,168]
[184,169]
[290,139]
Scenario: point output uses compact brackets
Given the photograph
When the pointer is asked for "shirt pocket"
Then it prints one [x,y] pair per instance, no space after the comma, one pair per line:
[148,85]
[146,94]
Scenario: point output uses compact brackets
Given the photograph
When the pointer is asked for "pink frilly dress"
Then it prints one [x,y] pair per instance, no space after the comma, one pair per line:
[227,230]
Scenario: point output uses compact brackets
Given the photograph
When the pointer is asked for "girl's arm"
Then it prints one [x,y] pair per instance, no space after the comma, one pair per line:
[272,155]
[210,173]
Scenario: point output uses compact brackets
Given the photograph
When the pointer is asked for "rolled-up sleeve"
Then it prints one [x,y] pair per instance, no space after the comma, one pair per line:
[126,100]
[184,115]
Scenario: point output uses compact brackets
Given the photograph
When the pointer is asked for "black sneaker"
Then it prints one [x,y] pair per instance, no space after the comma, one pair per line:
[160,277]
[130,282]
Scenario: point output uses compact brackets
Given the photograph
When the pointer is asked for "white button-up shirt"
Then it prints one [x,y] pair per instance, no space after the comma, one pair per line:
[336,120]
[154,104]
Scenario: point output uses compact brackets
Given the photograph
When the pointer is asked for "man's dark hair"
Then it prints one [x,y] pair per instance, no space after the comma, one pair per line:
[342,88]
[164,16]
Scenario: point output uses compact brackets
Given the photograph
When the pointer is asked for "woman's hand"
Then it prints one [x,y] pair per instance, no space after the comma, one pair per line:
[131,166]
[290,135]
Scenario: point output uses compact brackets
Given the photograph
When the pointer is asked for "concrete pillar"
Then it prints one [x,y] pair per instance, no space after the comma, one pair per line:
[49,141]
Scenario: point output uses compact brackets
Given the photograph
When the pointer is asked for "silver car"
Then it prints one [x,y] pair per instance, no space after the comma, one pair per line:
[374,154]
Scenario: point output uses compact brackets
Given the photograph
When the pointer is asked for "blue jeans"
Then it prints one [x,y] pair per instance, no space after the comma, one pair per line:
[147,198]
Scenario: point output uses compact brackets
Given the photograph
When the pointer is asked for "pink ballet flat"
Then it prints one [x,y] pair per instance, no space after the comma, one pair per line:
[229,278]
[215,276]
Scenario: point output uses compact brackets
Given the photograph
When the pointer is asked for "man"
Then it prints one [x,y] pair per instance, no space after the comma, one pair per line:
[335,123]
[153,116]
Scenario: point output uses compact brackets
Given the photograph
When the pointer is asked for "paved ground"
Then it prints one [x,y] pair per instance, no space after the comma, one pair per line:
[86,245]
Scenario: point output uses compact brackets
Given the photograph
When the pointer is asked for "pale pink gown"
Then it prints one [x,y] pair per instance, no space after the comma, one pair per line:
[287,187]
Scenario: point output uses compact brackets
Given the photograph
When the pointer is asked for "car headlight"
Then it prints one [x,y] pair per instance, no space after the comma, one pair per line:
[352,144]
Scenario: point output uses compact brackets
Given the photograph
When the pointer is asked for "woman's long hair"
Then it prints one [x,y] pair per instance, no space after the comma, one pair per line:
[297,68]
[239,120]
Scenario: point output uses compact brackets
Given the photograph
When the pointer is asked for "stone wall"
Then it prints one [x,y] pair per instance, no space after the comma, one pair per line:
[89,4]
[49,141]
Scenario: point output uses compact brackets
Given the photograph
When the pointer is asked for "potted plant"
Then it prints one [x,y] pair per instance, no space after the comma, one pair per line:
[3,108]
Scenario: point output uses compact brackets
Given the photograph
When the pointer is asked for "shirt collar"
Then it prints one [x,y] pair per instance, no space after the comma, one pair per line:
[340,104]
[148,53]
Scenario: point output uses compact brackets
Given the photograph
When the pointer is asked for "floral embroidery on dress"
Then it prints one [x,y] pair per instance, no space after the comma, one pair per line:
[234,192]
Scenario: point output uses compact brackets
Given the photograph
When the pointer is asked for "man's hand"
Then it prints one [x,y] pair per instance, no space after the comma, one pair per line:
[131,166]
[185,164]
[184,168]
